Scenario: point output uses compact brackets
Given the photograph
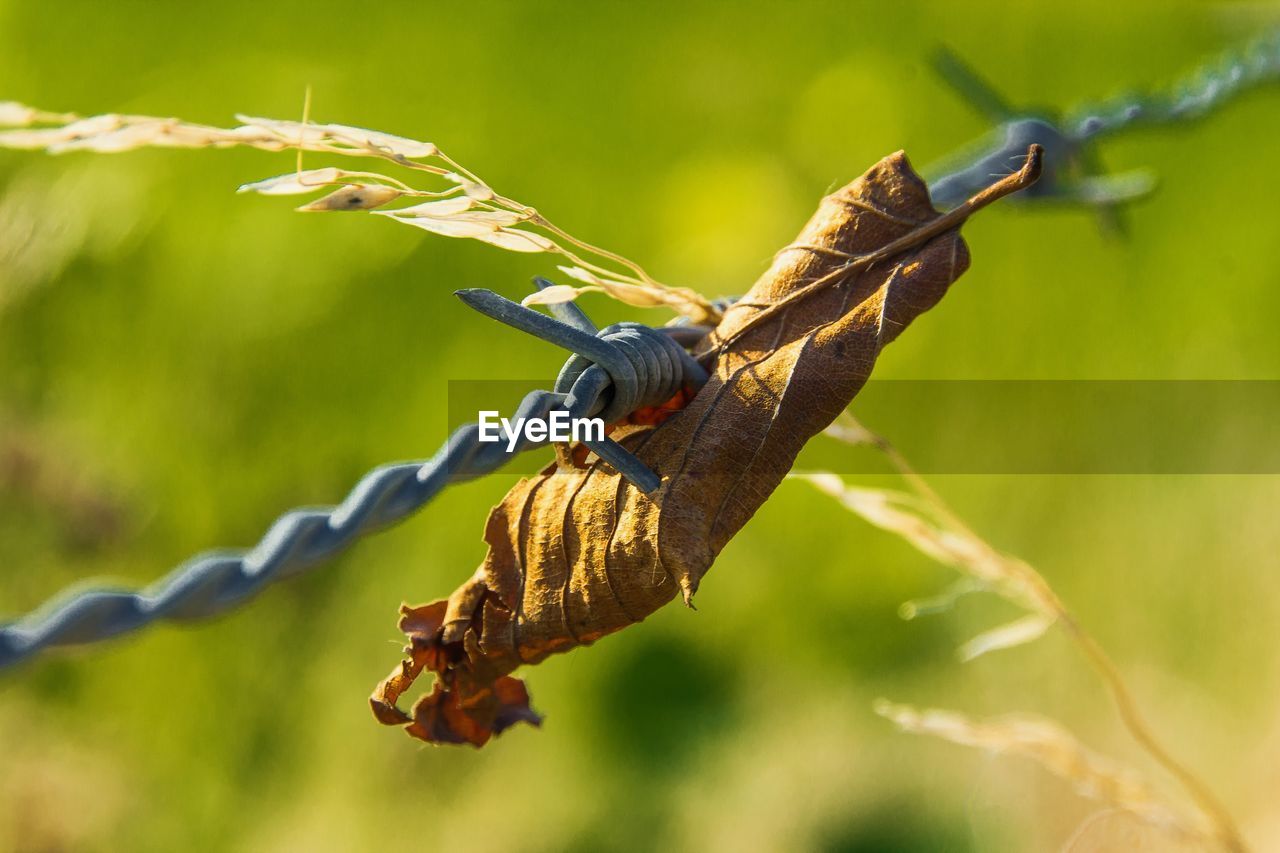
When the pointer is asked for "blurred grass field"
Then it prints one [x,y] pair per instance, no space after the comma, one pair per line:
[179,364]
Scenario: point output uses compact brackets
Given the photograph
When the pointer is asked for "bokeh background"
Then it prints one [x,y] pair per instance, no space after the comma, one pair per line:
[179,364]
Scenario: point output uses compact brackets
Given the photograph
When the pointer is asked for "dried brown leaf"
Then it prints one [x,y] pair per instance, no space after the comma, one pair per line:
[578,553]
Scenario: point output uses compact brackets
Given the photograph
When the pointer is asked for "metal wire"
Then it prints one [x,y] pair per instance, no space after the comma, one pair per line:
[613,371]
[1258,61]
[1073,171]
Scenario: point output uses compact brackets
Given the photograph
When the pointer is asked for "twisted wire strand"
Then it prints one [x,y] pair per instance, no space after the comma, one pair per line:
[644,367]
[1070,143]
[1256,62]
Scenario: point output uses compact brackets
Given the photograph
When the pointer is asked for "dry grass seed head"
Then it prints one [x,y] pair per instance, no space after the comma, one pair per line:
[484,215]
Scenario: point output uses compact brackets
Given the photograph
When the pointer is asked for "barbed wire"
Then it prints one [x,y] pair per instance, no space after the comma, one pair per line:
[613,372]
[1073,171]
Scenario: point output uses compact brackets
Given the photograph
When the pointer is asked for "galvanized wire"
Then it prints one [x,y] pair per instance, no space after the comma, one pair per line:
[613,372]
[1209,86]
[1072,169]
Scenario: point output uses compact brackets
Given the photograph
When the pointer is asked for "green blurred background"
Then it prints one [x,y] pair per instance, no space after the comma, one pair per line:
[179,364]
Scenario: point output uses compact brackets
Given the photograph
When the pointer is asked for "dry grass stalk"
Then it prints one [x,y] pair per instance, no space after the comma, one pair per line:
[923,518]
[462,206]
[1053,747]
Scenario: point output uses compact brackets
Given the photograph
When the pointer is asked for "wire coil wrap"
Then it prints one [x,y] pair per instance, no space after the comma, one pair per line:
[660,367]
